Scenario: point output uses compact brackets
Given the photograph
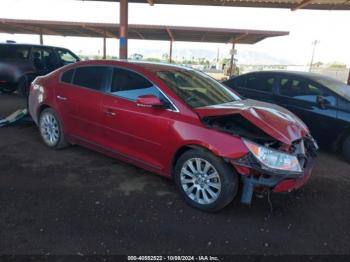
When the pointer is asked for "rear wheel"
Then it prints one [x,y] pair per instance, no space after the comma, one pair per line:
[205,181]
[346,148]
[51,129]
[8,89]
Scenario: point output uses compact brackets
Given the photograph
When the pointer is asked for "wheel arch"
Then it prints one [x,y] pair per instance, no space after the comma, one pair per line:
[338,144]
[41,108]
[180,151]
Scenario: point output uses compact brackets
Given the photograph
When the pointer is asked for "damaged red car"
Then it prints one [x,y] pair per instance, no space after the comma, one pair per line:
[176,122]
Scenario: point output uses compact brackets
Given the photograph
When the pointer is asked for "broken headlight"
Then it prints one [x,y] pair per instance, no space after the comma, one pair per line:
[273,159]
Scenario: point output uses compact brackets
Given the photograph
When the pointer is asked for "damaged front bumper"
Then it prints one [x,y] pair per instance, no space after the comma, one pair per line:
[256,176]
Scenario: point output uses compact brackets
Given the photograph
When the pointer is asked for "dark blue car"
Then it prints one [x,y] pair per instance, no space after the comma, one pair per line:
[323,103]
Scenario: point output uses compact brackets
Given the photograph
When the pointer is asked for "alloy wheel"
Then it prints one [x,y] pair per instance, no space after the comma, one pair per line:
[49,129]
[200,181]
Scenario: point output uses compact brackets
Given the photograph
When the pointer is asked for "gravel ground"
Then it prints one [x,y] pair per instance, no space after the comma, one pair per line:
[76,201]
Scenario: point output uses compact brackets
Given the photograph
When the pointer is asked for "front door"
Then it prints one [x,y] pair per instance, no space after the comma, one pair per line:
[301,96]
[137,132]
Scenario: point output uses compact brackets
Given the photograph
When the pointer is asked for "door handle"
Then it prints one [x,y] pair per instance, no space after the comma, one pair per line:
[109,112]
[62,98]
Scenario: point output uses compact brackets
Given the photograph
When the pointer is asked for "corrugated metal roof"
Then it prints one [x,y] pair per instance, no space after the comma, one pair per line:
[306,4]
[145,32]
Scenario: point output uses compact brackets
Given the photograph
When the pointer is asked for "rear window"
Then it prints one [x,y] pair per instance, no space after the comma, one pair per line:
[67,76]
[90,76]
[14,52]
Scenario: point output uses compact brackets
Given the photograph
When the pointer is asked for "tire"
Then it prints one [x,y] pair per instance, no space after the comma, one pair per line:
[218,173]
[51,130]
[346,148]
[8,89]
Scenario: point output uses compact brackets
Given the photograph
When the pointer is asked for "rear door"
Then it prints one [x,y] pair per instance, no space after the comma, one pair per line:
[300,96]
[79,101]
[137,132]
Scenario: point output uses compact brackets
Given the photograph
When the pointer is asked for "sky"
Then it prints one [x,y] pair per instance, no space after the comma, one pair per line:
[305,26]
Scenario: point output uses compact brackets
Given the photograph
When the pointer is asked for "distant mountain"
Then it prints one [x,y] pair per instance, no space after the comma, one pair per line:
[243,56]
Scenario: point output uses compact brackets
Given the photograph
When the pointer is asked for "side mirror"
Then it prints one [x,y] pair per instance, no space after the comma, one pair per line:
[149,101]
[322,102]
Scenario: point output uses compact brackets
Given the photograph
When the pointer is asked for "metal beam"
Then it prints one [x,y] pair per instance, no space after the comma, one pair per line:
[171,35]
[41,37]
[232,59]
[137,32]
[238,38]
[99,31]
[171,52]
[123,30]
[301,4]
[104,47]
[36,29]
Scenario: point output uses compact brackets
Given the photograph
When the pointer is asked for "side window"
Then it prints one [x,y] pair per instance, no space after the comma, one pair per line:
[49,59]
[66,56]
[38,59]
[14,52]
[93,77]
[67,76]
[263,83]
[302,89]
[130,85]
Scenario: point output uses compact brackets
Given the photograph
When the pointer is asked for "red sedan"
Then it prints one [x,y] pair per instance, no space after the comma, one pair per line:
[176,122]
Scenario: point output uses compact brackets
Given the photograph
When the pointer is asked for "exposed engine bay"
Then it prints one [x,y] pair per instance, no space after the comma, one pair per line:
[236,124]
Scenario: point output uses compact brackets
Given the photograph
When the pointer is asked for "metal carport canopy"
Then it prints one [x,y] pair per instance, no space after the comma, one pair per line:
[291,4]
[141,32]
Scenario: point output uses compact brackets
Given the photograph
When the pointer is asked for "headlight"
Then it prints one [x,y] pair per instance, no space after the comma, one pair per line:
[272,158]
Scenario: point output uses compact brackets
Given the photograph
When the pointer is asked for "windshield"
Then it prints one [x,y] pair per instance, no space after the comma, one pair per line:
[14,52]
[336,86]
[196,89]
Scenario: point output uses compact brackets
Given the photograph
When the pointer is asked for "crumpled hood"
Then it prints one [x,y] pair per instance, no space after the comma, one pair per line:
[274,120]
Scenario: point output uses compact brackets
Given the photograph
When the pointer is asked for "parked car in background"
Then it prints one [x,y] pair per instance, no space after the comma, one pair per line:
[323,103]
[21,63]
[176,122]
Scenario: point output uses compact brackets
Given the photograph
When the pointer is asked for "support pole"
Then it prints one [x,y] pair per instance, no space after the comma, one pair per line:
[349,78]
[314,43]
[171,52]
[123,31]
[41,37]
[104,46]
[232,59]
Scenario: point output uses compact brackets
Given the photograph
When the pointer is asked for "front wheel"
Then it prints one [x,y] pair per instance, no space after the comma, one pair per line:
[51,129]
[205,181]
[346,148]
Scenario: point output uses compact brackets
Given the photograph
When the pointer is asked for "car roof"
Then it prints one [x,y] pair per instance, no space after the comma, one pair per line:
[149,66]
[34,45]
[159,66]
[291,73]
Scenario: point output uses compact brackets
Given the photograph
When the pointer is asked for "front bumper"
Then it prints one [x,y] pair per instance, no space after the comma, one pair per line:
[254,176]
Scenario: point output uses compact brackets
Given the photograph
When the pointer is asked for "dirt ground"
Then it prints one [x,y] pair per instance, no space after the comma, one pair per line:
[76,201]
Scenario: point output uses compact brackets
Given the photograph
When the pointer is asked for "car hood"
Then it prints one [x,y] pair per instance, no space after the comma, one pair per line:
[274,120]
